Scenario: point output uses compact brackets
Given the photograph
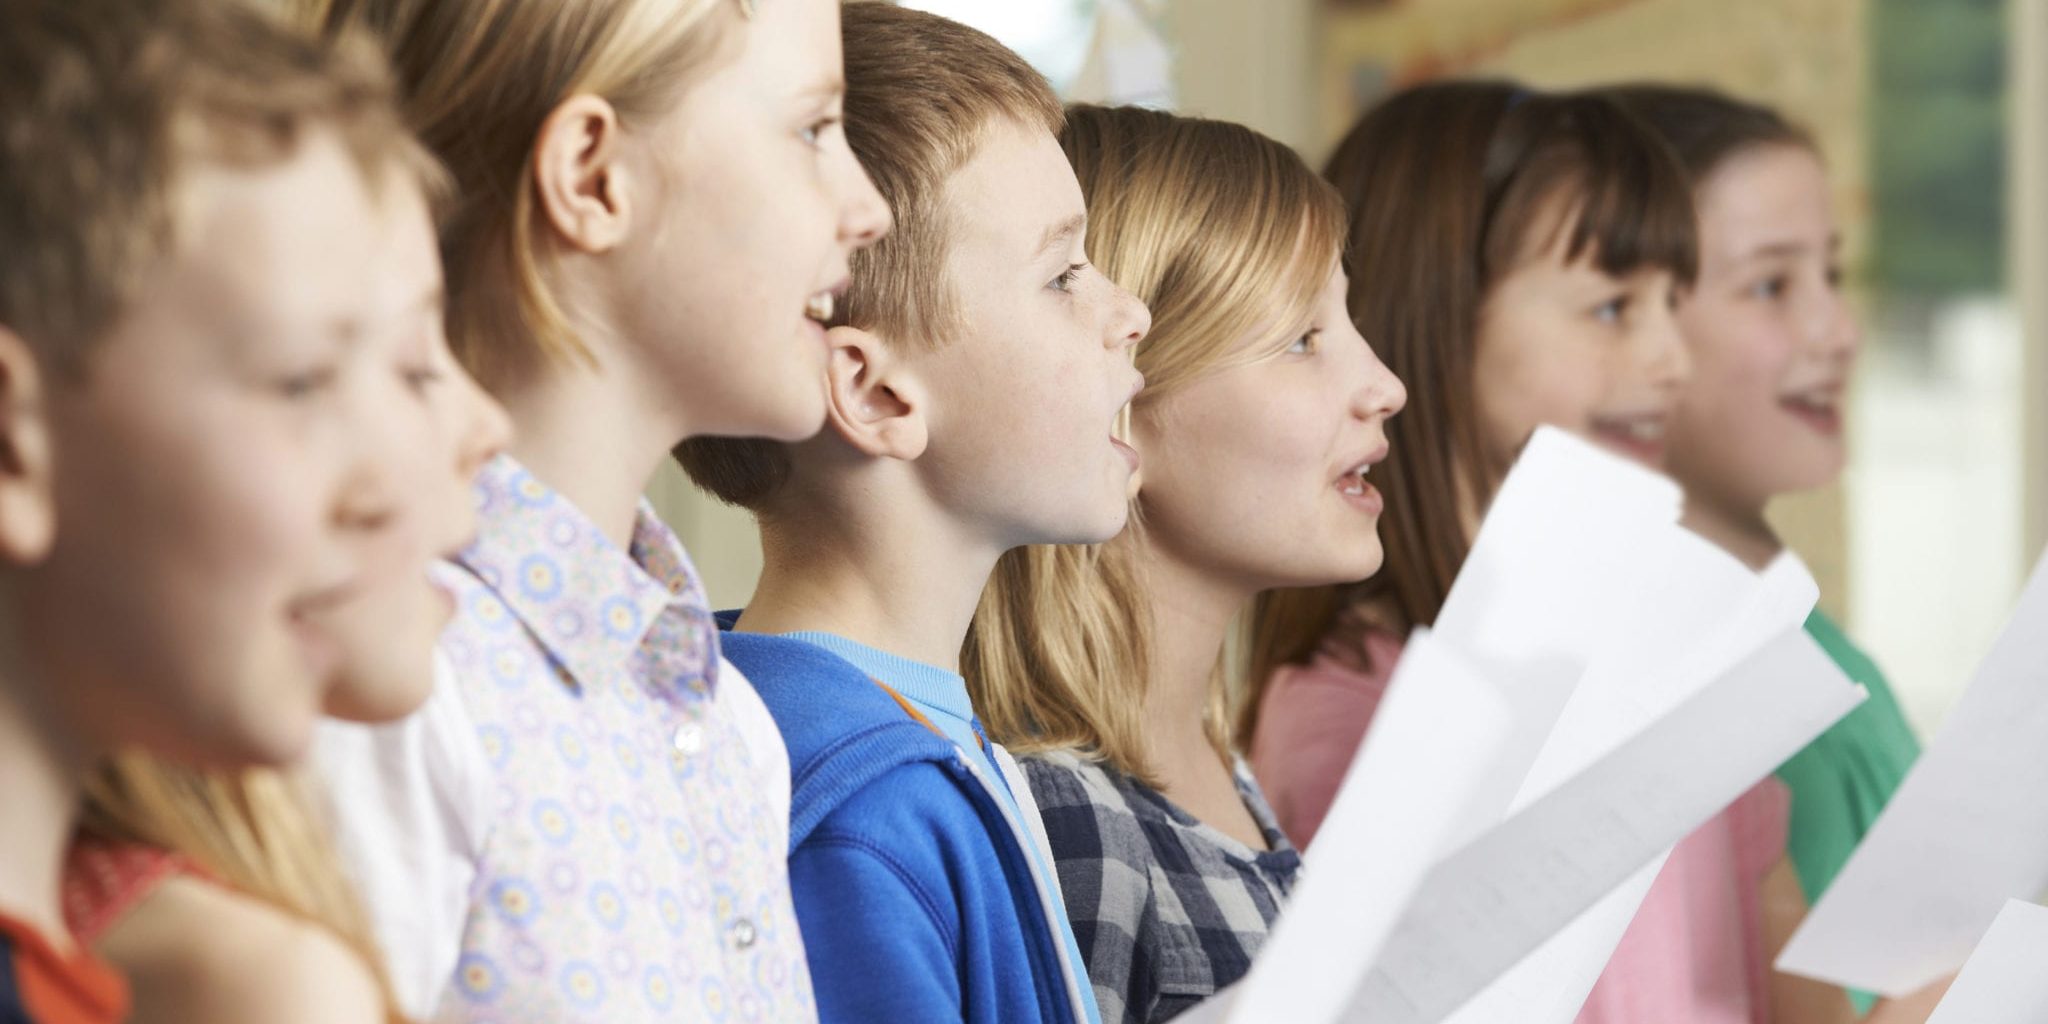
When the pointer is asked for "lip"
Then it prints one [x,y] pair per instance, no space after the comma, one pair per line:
[322,654]
[1823,416]
[1641,436]
[1129,453]
[1366,498]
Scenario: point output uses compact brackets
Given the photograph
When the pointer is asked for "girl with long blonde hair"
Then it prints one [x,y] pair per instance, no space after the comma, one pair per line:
[1105,665]
[655,209]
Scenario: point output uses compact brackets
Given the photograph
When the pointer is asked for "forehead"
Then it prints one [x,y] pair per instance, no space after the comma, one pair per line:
[1766,195]
[1015,187]
[282,246]
[786,45]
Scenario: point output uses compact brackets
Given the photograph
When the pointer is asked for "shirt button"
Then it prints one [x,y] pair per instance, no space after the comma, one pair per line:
[743,934]
[689,739]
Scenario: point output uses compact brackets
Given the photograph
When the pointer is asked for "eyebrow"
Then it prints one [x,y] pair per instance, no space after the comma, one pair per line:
[1064,231]
[348,331]
[828,88]
[1786,249]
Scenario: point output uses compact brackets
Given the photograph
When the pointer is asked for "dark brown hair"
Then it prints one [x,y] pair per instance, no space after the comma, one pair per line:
[921,94]
[1450,186]
[1704,126]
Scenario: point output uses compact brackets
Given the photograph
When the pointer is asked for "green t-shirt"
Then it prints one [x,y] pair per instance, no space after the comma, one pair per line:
[1844,777]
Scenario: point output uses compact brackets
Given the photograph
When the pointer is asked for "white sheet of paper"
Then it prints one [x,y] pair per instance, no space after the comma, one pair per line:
[1490,904]
[1967,830]
[1701,611]
[1552,983]
[2006,978]
[1437,727]
[1542,586]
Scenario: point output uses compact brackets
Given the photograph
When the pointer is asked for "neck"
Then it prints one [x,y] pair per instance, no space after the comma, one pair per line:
[1738,527]
[905,580]
[42,780]
[1191,612]
[589,435]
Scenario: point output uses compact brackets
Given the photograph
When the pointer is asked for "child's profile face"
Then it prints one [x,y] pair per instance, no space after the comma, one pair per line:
[440,429]
[1253,471]
[1773,340]
[236,472]
[1564,344]
[1027,391]
[757,205]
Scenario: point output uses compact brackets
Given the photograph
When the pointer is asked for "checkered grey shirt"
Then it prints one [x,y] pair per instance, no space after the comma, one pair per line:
[1167,910]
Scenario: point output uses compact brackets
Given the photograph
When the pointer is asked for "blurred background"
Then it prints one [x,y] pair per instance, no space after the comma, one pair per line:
[1934,117]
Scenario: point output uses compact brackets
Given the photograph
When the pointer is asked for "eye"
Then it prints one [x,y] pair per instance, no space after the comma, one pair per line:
[1065,282]
[421,378]
[1770,289]
[1611,311]
[307,384]
[1834,276]
[1307,344]
[814,133]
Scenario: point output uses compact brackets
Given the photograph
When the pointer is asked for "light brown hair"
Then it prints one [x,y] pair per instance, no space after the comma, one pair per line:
[921,94]
[1450,186]
[1222,232]
[480,79]
[105,103]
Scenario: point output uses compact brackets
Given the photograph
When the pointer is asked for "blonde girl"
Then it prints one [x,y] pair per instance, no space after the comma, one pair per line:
[1105,665]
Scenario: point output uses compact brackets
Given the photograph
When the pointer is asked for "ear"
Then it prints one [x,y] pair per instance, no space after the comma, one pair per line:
[28,507]
[869,399]
[579,175]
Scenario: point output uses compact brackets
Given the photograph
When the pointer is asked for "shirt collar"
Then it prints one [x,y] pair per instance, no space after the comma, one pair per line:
[932,688]
[588,603]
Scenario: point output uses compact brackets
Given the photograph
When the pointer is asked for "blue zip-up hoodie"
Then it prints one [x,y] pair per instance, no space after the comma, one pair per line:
[912,877]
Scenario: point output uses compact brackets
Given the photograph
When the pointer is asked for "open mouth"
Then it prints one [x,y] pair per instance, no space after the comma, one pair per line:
[1639,436]
[1820,409]
[1357,489]
[823,304]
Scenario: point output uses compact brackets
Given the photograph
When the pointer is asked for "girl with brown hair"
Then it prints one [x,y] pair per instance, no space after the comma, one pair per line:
[1520,255]
[1774,342]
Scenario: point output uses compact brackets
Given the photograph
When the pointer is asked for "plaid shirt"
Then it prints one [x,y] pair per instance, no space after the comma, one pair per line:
[1167,910]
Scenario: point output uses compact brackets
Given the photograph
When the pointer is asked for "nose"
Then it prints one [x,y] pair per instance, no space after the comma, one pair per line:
[1836,331]
[486,429]
[1129,321]
[1383,394]
[863,215]
[1664,352]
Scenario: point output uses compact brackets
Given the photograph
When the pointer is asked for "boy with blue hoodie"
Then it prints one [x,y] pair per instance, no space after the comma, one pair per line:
[976,372]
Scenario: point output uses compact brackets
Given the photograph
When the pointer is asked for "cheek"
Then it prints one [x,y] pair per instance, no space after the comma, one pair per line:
[1531,380]
[1234,465]
[1737,371]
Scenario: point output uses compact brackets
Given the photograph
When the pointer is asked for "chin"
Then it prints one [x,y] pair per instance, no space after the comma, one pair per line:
[1353,567]
[1093,529]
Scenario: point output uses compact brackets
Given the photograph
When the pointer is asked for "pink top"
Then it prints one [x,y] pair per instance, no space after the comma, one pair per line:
[1695,950]
[104,879]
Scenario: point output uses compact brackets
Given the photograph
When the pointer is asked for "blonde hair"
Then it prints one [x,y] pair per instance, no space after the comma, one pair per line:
[480,79]
[253,832]
[1222,232]
[921,94]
